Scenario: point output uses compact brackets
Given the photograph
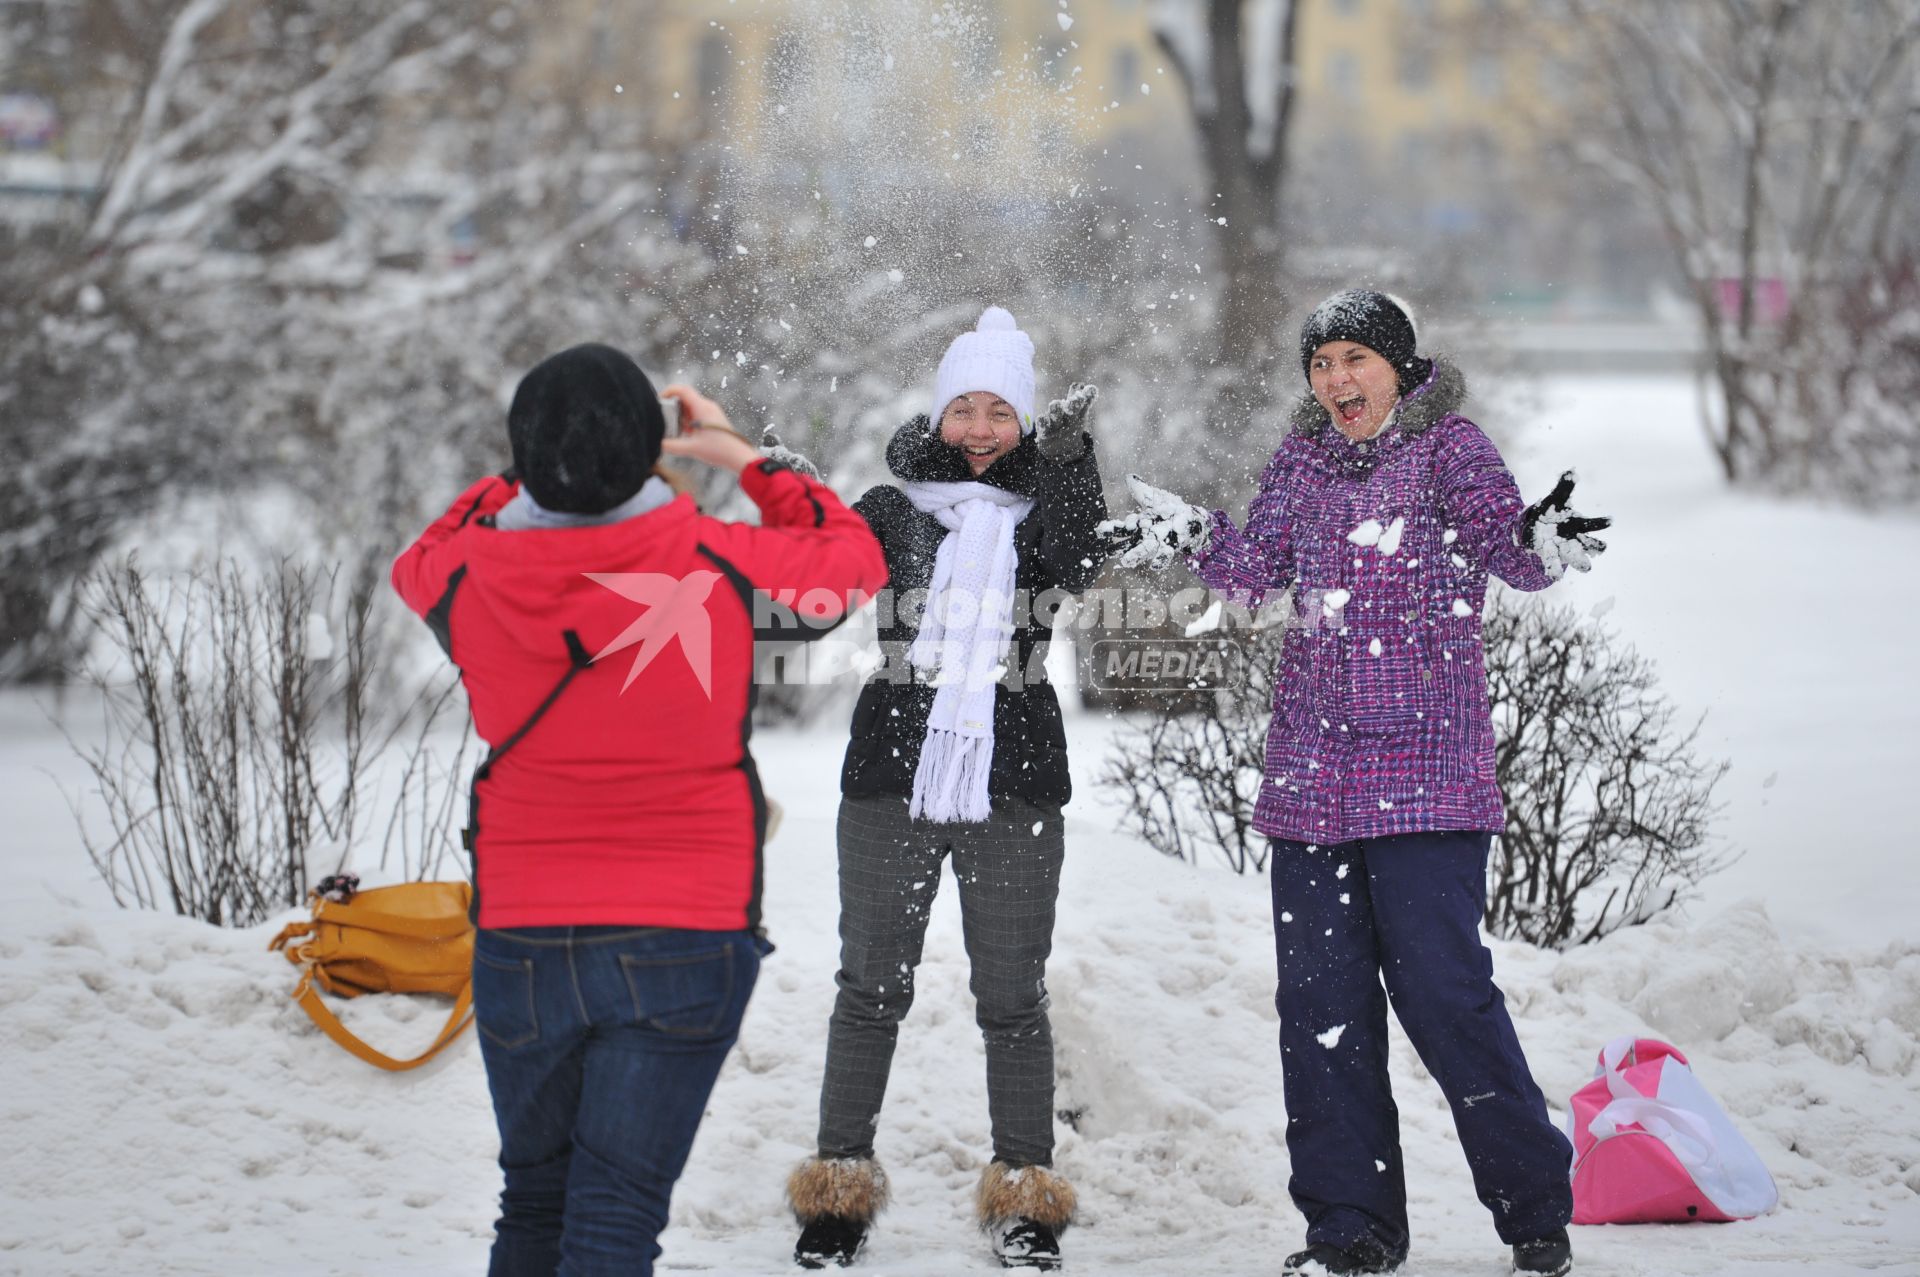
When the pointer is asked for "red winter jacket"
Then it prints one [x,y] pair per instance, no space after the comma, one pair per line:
[633,799]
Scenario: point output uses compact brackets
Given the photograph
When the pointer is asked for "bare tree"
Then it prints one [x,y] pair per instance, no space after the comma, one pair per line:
[236,185]
[1774,141]
[1236,61]
[327,237]
[319,233]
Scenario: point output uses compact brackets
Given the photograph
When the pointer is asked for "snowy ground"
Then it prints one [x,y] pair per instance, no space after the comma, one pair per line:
[1792,626]
[166,1110]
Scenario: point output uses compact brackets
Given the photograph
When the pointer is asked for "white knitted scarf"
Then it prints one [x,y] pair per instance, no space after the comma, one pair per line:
[964,636]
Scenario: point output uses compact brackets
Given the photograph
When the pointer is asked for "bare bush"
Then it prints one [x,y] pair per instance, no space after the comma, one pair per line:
[426,813]
[241,739]
[1609,803]
[1190,769]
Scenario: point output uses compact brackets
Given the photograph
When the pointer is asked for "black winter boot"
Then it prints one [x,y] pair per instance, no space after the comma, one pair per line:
[1026,1243]
[1024,1210]
[834,1200]
[1324,1259]
[830,1239]
[1549,1256]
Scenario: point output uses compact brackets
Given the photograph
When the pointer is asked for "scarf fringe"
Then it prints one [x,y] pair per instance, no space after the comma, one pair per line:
[950,783]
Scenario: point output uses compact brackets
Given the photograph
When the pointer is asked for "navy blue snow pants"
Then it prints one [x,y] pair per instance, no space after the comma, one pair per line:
[1404,910]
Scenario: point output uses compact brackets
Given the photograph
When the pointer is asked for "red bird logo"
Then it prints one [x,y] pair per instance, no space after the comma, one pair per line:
[675,608]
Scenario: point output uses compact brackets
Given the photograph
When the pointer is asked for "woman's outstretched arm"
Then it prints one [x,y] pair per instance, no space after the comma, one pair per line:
[1249,563]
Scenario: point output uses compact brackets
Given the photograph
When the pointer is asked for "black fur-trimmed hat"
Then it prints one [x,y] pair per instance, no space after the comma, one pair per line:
[585,427]
[1377,322]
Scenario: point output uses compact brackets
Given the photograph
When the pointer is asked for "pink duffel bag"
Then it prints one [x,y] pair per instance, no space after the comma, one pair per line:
[1651,1146]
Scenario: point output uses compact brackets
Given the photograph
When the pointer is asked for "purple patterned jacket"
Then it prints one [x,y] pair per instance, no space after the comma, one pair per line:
[1380,718]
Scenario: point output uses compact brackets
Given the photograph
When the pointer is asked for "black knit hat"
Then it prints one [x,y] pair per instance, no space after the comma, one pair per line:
[1374,320]
[586,427]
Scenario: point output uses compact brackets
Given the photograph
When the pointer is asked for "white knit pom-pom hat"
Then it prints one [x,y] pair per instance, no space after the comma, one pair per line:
[995,357]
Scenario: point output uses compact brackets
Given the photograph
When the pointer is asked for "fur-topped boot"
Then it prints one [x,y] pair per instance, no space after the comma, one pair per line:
[1024,1210]
[835,1200]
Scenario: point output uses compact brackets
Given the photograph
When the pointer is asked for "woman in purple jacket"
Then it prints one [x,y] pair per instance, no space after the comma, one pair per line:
[1384,511]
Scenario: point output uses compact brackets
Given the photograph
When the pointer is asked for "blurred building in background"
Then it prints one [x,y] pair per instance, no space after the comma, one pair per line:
[1421,131]
[1404,79]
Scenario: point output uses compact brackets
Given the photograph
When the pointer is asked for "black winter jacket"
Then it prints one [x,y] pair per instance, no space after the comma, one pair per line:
[1058,555]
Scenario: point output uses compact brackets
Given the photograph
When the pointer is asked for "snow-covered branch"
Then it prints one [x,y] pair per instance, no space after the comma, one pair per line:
[147,148]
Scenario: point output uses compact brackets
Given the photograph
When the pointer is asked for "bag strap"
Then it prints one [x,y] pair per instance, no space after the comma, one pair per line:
[328,1023]
[1615,1058]
[442,928]
[578,659]
[1687,1134]
[292,931]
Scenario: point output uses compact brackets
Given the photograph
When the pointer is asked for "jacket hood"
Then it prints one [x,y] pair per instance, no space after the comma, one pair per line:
[916,455]
[540,583]
[1440,395]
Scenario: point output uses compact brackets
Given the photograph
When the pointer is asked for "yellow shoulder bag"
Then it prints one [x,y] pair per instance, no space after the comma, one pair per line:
[412,938]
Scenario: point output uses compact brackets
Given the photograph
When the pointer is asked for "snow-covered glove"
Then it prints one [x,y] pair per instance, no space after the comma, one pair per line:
[1561,537]
[773,450]
[1163,528]
[1061,429]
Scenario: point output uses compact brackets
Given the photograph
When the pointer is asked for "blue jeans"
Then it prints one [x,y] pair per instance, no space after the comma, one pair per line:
[1361,925]
[601,1046]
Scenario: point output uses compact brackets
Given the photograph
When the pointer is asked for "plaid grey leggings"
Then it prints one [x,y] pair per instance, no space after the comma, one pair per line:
[1008,868]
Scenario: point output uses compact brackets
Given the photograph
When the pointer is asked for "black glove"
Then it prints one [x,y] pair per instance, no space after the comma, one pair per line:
[774,450]
[1561,537]
[1060,431]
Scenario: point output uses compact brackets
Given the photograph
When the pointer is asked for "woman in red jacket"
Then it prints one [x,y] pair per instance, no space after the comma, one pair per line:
[604,632]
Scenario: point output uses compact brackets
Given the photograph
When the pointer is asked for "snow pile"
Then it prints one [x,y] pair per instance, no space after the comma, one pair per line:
[1771,1030]
[1734,982]
[166,1103]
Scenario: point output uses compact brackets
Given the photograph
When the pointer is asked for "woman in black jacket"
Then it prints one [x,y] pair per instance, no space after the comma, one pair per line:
[958,749]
